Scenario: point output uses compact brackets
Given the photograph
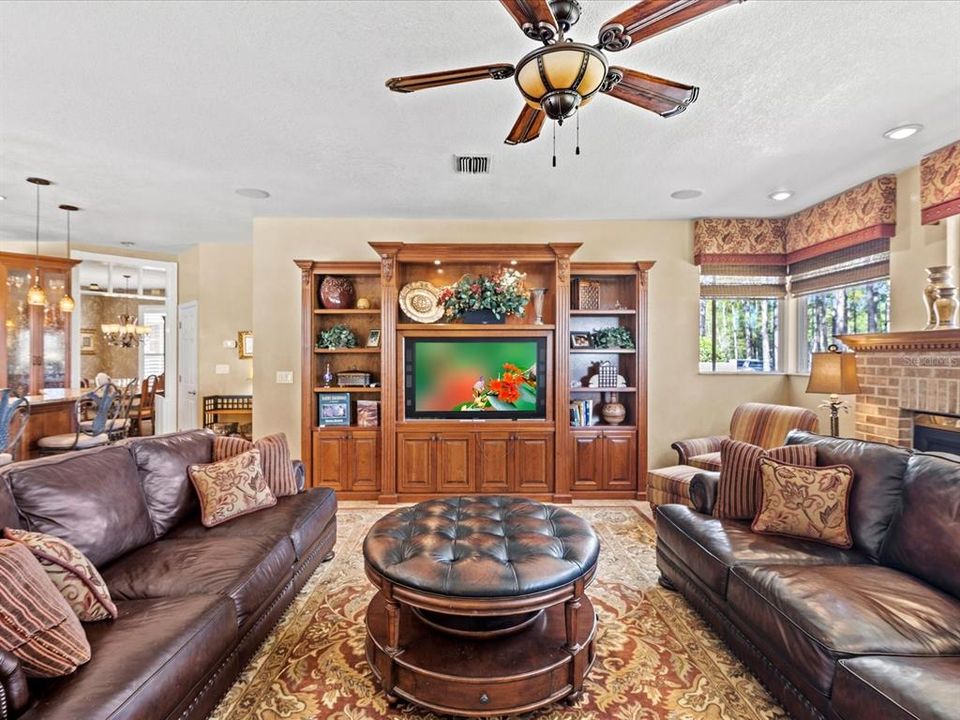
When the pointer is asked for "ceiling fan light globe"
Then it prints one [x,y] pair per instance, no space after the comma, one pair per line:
[561,104]
[559,78]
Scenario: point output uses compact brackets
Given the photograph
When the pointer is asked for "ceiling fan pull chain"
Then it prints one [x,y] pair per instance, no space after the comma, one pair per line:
[578,133]
[554,144]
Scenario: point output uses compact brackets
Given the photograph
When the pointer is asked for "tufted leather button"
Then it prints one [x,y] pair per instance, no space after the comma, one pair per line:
[492,546]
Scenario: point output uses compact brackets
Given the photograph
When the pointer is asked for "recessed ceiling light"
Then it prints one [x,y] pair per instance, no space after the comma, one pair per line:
[901,132]
[254,193]
[781,195]
[686,194]
[3,197]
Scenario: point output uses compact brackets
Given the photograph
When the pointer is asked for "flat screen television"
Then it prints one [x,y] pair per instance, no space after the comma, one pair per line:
[475,378]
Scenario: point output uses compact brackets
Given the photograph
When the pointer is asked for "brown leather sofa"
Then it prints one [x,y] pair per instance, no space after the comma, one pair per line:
[872,632]
[194,603]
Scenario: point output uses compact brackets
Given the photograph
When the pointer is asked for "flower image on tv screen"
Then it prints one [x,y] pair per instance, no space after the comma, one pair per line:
[471,376]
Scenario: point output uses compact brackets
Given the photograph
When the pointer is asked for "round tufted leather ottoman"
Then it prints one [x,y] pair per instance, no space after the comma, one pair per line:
[481,609]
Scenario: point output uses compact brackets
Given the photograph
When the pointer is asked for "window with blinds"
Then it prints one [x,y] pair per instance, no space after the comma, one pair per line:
[856,265]
[153,349]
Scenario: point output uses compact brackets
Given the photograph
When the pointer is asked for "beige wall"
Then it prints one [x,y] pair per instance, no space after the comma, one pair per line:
[219,277]
[682,402]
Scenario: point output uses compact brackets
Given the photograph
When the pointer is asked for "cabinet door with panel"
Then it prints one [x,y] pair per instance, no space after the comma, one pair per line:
[619,460]
[330,459]
[587,461]
[454,462]
[415,459]
[532,462]
[493,462]
[364,453]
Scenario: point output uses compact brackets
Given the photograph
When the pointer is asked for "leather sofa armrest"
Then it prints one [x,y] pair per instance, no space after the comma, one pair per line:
[687,449]
[299,473]
[14,694]
[703,491]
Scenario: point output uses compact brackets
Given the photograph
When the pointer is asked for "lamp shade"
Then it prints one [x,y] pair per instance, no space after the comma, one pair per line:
[560,78]
[833,373]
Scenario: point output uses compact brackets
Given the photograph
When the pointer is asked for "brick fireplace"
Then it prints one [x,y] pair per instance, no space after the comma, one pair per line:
[903,375]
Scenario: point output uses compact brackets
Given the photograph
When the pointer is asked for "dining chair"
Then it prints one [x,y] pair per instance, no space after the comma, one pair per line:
[103,407]
[144,411]
[101,379]
[14,415]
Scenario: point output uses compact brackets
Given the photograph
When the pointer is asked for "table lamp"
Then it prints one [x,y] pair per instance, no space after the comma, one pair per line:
[834,373]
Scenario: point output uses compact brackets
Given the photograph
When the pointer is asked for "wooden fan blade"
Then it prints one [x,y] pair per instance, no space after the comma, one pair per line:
[664,97]
[652,17]
[527,127]
[412,83]
[534,17]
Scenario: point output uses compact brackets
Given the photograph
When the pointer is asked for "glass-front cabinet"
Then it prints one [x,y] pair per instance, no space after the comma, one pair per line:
[35,347]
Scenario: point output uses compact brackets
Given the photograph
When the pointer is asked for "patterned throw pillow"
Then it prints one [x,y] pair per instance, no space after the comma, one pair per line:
[75,577]
[36,623]
[231,488]
[739,489]
[805,502]
[274,459]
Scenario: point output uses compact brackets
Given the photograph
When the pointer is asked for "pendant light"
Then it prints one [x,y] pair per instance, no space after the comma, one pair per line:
[36,295]
[66,302]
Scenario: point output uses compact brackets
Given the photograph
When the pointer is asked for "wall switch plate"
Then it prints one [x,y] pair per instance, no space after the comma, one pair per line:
[222,369]
[230,344]
[285,377]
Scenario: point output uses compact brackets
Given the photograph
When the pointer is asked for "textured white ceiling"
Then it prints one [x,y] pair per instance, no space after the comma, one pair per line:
[149,114]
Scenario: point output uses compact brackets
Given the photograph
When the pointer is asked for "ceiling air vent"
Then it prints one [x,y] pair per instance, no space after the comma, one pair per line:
[472,164]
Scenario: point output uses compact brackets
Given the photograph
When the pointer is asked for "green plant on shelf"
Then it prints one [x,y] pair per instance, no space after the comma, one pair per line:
[612,337]
[503,294]
[339,336]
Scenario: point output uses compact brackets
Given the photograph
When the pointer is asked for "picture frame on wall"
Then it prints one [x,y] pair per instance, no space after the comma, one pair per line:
[88,341]
[373,339]
[245,344]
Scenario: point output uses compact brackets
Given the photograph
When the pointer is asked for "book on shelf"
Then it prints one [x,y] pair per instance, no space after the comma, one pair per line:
[333,409]
[368,413]
[581,413]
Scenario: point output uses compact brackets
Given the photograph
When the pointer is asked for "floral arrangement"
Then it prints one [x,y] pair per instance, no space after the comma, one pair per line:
[514,389]
[613,337]
[339,336]
[502,294]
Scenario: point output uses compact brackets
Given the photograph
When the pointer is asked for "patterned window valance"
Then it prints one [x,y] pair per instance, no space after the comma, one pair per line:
[940,184]
[856,217]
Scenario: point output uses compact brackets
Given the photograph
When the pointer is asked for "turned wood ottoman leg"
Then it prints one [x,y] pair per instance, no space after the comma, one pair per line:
[389,673]
[579,658]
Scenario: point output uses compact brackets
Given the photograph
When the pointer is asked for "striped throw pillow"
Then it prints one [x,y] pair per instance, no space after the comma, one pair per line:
[36,623]
[740,489]
[75,577]
[274,459]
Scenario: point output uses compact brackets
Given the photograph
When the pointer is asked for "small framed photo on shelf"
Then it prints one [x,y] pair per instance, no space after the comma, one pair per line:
[580,340]
[334,409]
[373,339]
[368,413]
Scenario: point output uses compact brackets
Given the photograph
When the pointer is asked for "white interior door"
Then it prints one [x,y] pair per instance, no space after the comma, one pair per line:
[188,415]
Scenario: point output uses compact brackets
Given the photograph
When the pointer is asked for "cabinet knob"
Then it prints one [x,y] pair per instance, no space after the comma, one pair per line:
[484,698]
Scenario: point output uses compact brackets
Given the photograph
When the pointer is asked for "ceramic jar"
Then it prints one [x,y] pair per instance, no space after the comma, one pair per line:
[337,293]
[946,308]
[938,276]
[613,412]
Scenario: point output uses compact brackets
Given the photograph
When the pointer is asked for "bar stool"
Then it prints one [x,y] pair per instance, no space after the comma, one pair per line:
[104,405]
[14,414]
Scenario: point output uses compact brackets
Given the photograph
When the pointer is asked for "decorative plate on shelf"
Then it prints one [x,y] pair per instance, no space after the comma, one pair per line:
[420,301]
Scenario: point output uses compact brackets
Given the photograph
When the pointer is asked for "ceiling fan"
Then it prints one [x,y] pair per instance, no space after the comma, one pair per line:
[563,76]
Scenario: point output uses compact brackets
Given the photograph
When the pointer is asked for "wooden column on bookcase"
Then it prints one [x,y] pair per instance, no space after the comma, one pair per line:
[643,278]
[307,378]
[388,369]
[561,366]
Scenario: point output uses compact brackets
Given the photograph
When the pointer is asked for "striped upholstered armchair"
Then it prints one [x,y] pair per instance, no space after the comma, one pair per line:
[756,423]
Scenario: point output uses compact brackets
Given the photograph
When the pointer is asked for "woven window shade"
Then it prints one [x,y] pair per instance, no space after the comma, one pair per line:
[856,265]
[742,281]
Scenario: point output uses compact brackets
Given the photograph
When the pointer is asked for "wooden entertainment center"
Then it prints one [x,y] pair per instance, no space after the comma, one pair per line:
[409,460]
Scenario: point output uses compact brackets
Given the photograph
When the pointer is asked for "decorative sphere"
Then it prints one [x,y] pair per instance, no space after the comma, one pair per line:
[336,293]
[363,304]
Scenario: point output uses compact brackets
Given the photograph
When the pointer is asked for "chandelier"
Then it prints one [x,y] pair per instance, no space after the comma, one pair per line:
[127,333]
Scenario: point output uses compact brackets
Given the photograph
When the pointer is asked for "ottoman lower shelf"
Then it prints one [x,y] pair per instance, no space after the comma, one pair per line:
[461,676]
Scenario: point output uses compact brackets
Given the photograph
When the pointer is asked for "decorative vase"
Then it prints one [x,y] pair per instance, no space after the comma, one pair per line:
[337,293]
[536,295]
[327,376]
[938,276]
[946,308]
[613,412]
[483,317]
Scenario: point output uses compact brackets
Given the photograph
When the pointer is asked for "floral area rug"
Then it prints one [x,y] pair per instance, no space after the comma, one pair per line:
[656,658]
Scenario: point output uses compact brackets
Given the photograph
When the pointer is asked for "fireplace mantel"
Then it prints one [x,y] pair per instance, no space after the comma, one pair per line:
[903,341]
